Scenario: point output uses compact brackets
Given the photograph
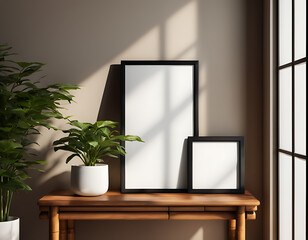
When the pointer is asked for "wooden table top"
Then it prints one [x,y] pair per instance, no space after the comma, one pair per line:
[115,198]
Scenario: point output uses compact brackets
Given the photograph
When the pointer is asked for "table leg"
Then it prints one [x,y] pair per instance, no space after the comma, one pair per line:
[63,230]
[240,221]
[70,230]
[232,229]
[54,223]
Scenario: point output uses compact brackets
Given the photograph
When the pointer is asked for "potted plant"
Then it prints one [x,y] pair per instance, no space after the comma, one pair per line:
[24,106]
[91,143]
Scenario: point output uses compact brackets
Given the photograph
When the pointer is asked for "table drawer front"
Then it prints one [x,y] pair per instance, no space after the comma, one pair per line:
[113,209]
[201,215]
[114,216]
[186,209]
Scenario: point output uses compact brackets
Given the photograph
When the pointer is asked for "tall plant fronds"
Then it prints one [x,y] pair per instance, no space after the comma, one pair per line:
[23,107]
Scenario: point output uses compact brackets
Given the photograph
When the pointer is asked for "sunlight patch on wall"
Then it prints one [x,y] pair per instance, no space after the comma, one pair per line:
[146,47]
[181,33]
[202,99]
[198,234]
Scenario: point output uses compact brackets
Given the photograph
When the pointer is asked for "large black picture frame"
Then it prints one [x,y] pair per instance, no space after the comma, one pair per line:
[145,85]
[216,164]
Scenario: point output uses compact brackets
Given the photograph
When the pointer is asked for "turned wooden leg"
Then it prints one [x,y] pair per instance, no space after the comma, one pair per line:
[63,230]
[232,229]
[240,221]
[54,223]
[70,230]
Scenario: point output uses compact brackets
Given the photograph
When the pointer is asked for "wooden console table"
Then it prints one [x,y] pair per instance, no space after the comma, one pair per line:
[63,207]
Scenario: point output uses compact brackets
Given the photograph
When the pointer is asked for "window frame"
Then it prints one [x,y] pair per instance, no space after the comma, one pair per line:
[293,154]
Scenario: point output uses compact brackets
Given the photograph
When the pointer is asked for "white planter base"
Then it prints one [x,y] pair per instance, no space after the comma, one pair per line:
[10,230]
[90,180]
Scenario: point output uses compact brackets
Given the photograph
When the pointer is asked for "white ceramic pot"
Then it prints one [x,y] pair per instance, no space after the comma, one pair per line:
[90,180]
[9,230]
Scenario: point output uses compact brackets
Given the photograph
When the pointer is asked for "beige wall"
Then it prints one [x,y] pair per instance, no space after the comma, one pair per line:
[79,40]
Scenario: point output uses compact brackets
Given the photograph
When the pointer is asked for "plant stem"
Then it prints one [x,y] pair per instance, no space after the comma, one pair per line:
[6,205]
[1,193]
[9,205]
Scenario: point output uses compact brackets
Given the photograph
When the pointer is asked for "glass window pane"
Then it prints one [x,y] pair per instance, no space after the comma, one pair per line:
[300,108]
[300,199]
[285,197]
[300,29]
[285,109]
[285,31]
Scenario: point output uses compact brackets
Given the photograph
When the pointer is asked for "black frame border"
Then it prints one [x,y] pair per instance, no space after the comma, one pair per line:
[195,64]
[241,161]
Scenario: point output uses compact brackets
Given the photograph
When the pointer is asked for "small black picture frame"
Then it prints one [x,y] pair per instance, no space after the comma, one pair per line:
[216,164]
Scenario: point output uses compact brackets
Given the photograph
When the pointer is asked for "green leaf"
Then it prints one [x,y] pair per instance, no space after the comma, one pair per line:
[106,132]
[24,64]
[7,145]
[71,157]
[94,143]
[51,114]
[19,112]
[23,124]
[128,138]
[67,148]
[14,185]
[27,142]
[37,169]
[101,124]
[23,175]
[111,155]
[121,150]
[80,125]
[7,160]
[64,86]
[73,131]
[38,162]
[61,141]
[35,67]
[5,129]
[29,85]
[6,173]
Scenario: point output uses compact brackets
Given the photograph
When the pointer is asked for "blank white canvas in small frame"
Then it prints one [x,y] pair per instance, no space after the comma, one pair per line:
[215,164]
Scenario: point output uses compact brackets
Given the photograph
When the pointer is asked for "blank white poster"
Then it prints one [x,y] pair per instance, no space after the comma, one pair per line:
[159,109]
[215,165]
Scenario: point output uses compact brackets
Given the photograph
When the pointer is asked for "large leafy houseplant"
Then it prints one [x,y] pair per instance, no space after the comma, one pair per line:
[92,142]
[24,106]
